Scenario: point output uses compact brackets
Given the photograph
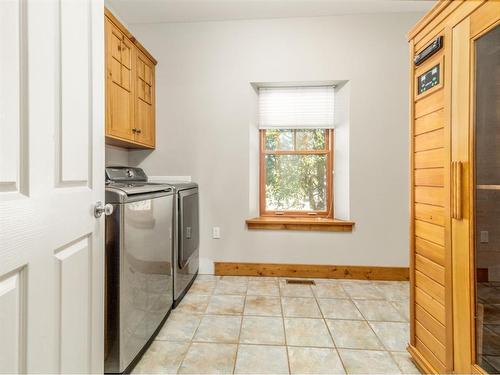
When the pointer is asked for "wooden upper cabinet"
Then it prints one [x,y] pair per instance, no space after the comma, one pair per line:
[119,93]
[130,89]
[144,104]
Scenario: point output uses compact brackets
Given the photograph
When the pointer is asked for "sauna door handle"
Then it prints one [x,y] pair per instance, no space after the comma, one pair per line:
[456,190]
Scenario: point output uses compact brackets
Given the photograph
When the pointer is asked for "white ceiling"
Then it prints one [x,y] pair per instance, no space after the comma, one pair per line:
[157,11]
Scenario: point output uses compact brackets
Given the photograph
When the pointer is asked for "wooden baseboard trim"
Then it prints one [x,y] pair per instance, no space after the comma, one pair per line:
[422,364]
[312,271]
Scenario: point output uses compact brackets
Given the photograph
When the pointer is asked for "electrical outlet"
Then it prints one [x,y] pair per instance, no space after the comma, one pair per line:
[216,232]
[484,236]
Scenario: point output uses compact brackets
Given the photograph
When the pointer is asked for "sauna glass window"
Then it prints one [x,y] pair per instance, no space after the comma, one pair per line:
[487,200]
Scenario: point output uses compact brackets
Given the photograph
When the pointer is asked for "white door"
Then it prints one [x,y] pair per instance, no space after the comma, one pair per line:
[51,175]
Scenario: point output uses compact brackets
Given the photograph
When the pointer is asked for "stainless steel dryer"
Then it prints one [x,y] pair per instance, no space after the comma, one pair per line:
[139,275]
[187,237]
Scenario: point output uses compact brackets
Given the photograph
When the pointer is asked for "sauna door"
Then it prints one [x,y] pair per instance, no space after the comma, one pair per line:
[475,200]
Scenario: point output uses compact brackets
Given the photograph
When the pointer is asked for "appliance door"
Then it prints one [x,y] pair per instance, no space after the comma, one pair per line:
[188,225]
[146,288]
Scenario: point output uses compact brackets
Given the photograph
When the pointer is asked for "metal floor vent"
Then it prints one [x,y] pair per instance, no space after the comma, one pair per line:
[300,281]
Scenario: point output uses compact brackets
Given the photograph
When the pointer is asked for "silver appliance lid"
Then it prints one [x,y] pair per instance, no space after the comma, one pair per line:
[133,188]
[129,183]
[122,174]
[181,185]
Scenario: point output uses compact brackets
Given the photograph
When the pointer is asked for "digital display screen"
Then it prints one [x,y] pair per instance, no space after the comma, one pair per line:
[428,80]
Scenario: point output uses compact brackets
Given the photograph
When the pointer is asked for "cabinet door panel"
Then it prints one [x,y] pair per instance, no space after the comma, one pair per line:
[115,41]
[119,112]
[140,68]
[147,93]
[144,122]
[115,71]
[126,53]
[126,73]
[147,74]
[141,89]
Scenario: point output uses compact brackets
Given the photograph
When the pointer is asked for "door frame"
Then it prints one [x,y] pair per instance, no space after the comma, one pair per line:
[470,30]
[486,27]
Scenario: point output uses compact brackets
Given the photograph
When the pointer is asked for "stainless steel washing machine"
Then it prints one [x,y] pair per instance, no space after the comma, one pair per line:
[139,272]
[187,237]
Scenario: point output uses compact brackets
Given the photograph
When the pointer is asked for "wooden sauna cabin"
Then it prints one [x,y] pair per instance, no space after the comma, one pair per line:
[455,188]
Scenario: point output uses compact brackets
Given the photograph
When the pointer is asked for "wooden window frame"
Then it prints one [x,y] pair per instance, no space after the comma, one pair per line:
[328,151]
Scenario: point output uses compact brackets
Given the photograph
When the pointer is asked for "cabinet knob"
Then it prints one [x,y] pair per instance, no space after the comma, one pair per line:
[138,131]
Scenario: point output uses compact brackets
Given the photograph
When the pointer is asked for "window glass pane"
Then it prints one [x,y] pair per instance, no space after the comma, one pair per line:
[296,182]
[279,139]
[310,139]
[487,199]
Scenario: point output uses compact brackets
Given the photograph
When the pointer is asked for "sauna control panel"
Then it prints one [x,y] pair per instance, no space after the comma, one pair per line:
[428,80]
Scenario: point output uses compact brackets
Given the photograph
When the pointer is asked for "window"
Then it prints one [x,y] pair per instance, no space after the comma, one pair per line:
[296,151]
[296,176]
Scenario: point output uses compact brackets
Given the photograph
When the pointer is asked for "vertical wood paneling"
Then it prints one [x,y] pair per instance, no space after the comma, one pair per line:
[74,152]
[74,285]
[12,345]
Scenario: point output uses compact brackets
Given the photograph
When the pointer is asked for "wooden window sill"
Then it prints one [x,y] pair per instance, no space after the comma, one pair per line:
[300,223]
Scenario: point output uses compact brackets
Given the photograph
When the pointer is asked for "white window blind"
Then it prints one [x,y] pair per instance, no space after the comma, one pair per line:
[296,107]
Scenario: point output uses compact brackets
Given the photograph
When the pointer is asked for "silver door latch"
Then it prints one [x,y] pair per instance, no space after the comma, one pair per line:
[101,208]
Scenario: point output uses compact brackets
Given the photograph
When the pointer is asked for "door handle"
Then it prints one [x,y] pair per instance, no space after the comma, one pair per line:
[100,208]
[456,189]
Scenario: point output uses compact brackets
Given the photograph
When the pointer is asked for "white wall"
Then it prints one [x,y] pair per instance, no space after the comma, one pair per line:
[206,128]
[116,156]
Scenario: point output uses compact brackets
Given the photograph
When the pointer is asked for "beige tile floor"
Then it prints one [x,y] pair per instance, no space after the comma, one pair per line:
[249,325]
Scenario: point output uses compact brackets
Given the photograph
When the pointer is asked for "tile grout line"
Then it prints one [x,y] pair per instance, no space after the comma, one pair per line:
[375,333]
[329,331]
[242,315]
[241,327]
[292,346]
[194,334]
[284,329]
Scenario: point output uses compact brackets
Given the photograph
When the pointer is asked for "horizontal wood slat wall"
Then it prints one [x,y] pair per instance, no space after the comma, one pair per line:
[430,251]
[430,122]
[441,265]
[311,271]
[429,159]
[429,138]
[429,213]
[428,321]
[430,357]
[433,307]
